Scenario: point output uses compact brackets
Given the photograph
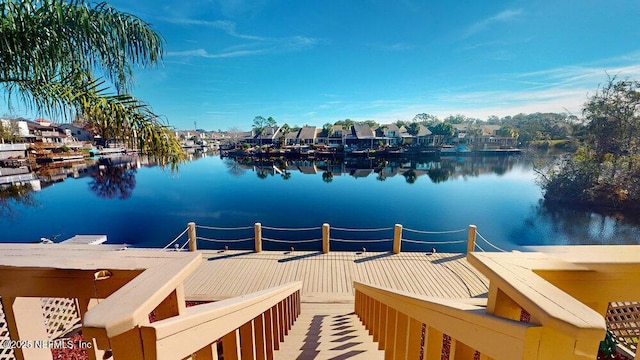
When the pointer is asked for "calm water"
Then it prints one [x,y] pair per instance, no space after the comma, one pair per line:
[148,206]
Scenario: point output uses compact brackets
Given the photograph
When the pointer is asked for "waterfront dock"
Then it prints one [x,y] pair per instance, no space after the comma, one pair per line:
[329,277]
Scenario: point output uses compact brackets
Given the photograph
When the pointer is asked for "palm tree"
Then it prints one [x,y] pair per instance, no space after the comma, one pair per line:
[51,51]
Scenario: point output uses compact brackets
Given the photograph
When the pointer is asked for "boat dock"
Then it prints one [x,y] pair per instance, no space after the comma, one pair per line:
[329,277]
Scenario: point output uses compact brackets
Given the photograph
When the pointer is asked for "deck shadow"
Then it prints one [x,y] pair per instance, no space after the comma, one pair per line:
[229,256]
[450,258]
[300,257]
[374,257]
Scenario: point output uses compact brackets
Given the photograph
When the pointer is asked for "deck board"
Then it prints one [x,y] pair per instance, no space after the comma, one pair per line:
[329,277]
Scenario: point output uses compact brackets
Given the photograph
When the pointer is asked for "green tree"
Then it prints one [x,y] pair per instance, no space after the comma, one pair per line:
[441,132]
[51,52]
[259,125]
[284,131]
[605,171]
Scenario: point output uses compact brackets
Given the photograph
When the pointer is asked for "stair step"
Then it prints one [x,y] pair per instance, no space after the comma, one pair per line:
[328,331]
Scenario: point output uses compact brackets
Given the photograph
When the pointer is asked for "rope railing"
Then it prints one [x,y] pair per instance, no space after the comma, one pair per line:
[434,242]
[326,239]
[292,242]
[224,228]
[230,241]
[291,229]
[176,239]
[361,230]
[490,244]
[361,241]
[435,232]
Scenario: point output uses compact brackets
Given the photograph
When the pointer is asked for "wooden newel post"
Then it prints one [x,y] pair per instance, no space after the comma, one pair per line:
[397,238]
[471,239]
[193,245]
[325,238]
[257,230]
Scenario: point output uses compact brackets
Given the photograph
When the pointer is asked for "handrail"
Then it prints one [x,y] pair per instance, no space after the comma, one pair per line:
[131,305]
[549,305]
[465,322]
[202,325]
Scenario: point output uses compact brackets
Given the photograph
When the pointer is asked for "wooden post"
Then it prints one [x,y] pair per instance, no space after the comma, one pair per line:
[325,238]
[25,322]
[397,238]
[471,239]
[193,245]
[257,230]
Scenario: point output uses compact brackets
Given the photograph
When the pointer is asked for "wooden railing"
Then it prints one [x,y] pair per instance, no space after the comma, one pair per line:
[247,327]
[409,326]
[540,305]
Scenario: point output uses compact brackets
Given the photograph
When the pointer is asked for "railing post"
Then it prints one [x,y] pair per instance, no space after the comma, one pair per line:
[257,230]
[193,245]
[471,239]
[325,238]
[397,238]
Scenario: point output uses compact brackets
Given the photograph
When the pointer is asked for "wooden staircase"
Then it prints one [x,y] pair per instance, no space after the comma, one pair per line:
[328,331]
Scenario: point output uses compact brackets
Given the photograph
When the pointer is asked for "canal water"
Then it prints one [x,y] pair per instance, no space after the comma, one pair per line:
[435,200]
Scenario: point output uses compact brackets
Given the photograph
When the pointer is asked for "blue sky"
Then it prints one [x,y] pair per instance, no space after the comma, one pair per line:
[313,62]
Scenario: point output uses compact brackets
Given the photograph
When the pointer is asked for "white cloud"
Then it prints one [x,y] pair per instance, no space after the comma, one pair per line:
[503,16]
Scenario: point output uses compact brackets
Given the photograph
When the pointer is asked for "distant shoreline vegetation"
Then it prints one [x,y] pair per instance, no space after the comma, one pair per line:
[603,173]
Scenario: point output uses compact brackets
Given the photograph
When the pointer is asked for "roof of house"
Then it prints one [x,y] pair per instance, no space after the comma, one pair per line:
[363,131]
[308,132]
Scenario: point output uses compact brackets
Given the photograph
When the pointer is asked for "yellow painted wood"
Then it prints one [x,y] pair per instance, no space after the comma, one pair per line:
[433,344]
[382,343]
[414,339]
[462,351]
[402,337]
[270,344]
[172,305]
[325,238]
[471,238]
[231,346]
[209,352]
[390,334]
[247,341]
[127,345]
[26,323]
[259,336]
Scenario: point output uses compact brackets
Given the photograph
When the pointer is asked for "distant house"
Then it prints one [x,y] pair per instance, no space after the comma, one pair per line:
[307,135]
[481,136]
[42,130]
[362,136]
[77,133]
[267,136]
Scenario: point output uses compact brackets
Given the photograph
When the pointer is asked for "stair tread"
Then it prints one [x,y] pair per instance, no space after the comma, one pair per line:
[328,331]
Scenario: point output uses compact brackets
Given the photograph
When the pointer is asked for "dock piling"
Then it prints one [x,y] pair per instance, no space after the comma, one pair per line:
[397,238]
[257,230]
[325,238]
[193,245]
[471,239]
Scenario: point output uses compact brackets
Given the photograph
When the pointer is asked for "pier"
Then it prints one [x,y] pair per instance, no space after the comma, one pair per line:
[549,303]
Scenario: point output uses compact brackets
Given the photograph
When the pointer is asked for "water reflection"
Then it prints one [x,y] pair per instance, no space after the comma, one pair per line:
[568,226]
[114,180]
[438,170]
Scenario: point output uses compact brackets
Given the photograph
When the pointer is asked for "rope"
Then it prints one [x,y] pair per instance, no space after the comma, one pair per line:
[435,232]
[434,242]
[361,241]
[291,229]
[223,241]
[184,245]
[176,239]
[480,247]
[221,228]
[490,244]
[361,230]
[291,241]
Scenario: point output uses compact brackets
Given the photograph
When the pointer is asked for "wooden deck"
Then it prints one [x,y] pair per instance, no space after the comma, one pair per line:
[329,277]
